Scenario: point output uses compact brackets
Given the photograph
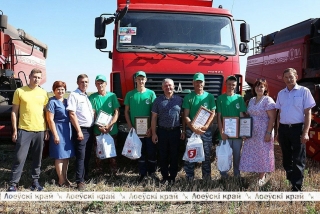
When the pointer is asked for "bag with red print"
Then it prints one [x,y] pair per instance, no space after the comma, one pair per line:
[194,149]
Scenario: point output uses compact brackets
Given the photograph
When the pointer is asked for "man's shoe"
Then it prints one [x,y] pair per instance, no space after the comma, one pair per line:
[81,186]
[140,179]
[154,177]
[36,186]
[12,189]
[164,181]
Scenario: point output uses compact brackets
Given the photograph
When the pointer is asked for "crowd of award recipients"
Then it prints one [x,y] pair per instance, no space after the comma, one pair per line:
[69,124]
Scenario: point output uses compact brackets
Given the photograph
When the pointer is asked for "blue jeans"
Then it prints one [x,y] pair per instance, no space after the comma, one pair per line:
[168,145]
[83,152]
[236,145]
[148,160]
[206,164]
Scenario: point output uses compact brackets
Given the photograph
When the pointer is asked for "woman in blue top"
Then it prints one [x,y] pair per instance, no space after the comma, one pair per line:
[60,146]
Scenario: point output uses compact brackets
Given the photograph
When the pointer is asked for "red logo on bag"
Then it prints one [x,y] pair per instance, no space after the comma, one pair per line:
[129,151]
[192,153]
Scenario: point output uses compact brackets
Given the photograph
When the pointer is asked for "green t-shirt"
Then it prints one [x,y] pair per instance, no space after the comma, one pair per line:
[140,103]
[107,103]
[230,106]
[193,102]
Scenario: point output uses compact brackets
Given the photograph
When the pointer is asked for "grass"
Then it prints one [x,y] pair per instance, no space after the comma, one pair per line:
[128,174]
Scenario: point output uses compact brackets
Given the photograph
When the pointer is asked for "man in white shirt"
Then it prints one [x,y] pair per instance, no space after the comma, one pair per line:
[81,117]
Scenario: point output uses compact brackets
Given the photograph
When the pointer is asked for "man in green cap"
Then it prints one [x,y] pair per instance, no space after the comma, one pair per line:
[138,103]
[108,103]
[230,104]
[191,104]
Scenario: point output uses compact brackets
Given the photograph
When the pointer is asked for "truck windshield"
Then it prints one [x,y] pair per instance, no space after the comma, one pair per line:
[174,32]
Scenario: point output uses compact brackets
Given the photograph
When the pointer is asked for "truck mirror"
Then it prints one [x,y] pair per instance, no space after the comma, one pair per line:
[3,21]
[101,44]
[99,27]
[122,13]
[244,32]
[244,48]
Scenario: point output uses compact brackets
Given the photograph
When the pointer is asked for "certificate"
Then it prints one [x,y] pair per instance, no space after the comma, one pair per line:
[231,126]
[103,118]
[245,127]
[201,117]
[142,125]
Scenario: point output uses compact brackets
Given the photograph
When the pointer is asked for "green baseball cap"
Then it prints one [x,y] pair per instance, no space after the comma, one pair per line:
[140,73]
[198,76]
[101,77]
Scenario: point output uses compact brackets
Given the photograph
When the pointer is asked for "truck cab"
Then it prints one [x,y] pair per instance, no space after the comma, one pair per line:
[174,40]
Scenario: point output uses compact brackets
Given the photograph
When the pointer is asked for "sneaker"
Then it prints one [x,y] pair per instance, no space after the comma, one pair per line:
[12,189]
[36,186]
[81,186]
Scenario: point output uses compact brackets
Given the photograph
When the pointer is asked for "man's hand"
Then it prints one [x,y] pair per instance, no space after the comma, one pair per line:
[80,135]
[198,130]
[155,138]
[149,133]
[304,138]
[183,135]
[224,136]
[14,136]
[46,135]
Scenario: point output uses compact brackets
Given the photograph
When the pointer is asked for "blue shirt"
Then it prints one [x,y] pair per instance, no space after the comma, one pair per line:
[293,103]
[168,110]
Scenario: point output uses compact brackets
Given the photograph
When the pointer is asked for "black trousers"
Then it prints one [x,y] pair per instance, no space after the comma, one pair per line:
[168,145]
[83,152]
[293,152]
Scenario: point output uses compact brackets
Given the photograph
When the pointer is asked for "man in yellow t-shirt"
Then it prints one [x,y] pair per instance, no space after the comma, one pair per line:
[28,105]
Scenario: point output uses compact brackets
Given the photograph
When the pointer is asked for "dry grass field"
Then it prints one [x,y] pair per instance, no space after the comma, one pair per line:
[100,181]
[128,174]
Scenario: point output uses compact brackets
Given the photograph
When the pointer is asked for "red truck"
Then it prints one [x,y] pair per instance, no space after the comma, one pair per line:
[298,47]
[19,54]
[171,39]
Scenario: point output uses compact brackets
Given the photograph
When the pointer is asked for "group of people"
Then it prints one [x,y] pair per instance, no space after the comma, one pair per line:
[69,124]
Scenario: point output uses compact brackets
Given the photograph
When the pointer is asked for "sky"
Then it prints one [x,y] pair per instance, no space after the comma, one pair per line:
[67,27]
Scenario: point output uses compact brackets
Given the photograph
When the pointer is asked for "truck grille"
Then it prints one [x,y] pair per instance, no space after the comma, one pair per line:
[213,83]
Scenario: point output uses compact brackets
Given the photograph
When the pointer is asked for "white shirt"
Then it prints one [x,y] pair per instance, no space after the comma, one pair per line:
[293,103]
[80,104]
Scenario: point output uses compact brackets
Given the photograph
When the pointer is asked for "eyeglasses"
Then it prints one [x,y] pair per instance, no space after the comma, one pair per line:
[261,79]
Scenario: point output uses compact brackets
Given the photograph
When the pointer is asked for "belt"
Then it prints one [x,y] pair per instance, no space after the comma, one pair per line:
[82,127]
[169,128]
[291,125]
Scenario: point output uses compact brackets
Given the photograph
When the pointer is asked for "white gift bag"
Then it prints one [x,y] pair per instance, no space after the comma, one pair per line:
[194,149]
[105,146]
[224,156]
[132,146]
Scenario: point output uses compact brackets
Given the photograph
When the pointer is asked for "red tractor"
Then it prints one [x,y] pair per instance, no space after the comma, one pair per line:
[19,54]
[298,47]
